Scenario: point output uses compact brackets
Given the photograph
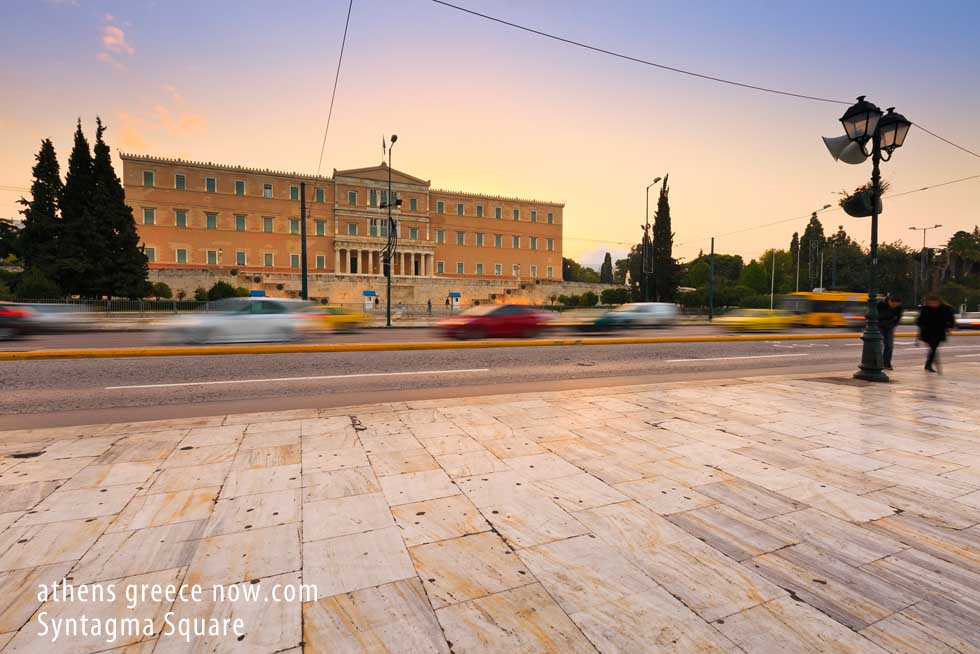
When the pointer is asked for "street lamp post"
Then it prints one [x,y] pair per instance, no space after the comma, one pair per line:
[389,251]
[647,265]
[799,243]
[922,269]
[864,122]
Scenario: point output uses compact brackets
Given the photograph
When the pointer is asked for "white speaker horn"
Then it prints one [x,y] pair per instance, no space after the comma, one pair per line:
[844,149]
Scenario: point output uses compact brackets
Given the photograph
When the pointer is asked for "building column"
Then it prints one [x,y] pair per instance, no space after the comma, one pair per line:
[432,265]
[336,261]
[402,264]
[379,266]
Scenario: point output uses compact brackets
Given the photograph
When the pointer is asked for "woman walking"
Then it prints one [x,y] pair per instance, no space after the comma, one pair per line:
[935,319]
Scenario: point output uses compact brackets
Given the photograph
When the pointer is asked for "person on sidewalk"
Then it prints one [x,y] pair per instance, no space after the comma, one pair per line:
[935,319]
[889,315]
[428,307]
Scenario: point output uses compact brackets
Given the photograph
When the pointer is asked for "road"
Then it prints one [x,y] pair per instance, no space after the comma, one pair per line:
[108,339]
[83,391]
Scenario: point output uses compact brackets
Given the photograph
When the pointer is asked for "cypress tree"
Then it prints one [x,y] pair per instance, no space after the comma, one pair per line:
[606,272]
[666,272]
[123,272]
[80,250]
[40,237]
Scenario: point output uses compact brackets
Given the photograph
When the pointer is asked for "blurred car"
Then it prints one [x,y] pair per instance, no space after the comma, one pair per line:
[57,318]
[13,320]
[634,314]
[970,320]
[496,321]
[756,320]
[335,318]
[242,320]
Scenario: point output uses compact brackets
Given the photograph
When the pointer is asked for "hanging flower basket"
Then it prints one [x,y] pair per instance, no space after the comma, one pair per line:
[858,203]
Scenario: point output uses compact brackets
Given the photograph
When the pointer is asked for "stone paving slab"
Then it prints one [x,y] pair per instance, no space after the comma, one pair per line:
[770,515]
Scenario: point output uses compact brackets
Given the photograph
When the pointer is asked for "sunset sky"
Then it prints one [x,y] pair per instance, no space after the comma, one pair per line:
[482,107]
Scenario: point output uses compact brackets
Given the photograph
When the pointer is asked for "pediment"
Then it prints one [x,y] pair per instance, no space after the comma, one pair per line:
[380,174]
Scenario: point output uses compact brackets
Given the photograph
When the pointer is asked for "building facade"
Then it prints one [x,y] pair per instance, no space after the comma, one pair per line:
[193,215]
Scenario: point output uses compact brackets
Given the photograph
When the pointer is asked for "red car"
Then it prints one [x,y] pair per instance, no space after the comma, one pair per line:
[496,321]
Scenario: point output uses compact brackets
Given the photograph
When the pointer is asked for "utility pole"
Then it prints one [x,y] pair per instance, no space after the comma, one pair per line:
[711,282]
[821,268]
[772,289]
[304,288]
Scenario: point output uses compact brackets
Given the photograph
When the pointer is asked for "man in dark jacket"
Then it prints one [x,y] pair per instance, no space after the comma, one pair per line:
[935,319]
[889,315]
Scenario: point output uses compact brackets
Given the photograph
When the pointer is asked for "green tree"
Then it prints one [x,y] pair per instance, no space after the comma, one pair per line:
[619,295]
[897,264]
[200,294]
[754,277]
[124,271]
[80,249]
[9,240]
[697,273]
[35,285]
[572,271]
[845,263]
[589,299]
[606,272]
[811,245]
[666,271]
[161,291]
[40,239]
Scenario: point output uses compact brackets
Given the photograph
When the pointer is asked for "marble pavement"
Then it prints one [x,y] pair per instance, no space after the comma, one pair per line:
[791,514]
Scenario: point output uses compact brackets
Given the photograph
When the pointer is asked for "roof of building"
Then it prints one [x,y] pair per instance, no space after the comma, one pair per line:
[376,173]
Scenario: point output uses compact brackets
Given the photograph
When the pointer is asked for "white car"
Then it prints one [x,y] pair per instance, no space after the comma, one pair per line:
[969,320]
[241,320]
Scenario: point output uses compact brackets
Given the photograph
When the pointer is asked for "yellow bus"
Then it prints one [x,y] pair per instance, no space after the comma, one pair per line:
[826,308]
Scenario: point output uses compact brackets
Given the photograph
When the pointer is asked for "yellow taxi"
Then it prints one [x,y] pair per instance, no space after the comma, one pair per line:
[335,318]
[756,320]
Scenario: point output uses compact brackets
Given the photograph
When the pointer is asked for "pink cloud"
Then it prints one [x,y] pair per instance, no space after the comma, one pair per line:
[114,40]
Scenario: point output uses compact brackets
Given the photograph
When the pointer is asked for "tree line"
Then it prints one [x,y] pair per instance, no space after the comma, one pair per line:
[78,236]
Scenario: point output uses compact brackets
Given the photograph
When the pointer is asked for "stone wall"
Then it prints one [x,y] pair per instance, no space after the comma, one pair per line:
[349,289]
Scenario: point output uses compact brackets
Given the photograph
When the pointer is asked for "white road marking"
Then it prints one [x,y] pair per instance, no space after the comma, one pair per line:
[757,356]
[959,356]
[288,379]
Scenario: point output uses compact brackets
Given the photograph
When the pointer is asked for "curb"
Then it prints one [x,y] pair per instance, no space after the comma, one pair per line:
[163,351]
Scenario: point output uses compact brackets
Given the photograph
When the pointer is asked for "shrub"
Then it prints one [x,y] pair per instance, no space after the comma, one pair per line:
[619,295]
[241,291]
[5,292]
[161,291]
[181,294]
[200,294]
[221,290]
[589,299]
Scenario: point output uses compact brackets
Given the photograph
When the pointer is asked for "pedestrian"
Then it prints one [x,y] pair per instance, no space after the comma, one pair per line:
[889,315]
[935,319]
[428,306]
[377,302]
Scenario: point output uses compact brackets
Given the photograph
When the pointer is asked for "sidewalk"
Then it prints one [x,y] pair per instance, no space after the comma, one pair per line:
[775,515]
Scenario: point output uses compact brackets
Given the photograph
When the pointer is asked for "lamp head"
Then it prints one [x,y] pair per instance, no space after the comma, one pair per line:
[394,137]
[861,120]
[892,129]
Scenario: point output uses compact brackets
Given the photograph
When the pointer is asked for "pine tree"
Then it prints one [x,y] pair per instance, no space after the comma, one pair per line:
[666,272]
[80,251]
[606,272]
[123,272]
[40,237]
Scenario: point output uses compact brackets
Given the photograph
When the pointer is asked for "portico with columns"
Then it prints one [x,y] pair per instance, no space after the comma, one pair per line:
[354,255]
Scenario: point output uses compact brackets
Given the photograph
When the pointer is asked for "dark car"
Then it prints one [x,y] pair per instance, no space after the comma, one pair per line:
[14,320]
[496,321]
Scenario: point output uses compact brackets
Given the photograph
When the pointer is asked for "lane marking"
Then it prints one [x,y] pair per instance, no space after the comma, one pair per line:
[758,356]
[960,356]
[288,379]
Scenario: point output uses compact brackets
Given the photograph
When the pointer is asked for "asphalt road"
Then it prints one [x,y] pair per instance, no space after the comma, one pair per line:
[83,391]
[107,339]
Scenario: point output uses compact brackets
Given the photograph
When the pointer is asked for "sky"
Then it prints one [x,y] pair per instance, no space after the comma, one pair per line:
[482,107]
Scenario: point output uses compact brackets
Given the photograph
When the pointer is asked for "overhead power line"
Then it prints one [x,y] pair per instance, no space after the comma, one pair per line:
[945,140]
[638,60]
[336,79]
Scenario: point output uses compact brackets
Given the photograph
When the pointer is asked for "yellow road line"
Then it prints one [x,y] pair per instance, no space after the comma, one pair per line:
[167,351]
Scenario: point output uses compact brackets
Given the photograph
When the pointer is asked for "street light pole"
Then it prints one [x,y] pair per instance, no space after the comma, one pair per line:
[389,250]
[647,266]
[865,122]
[922,268]
[711,282]
[772,288]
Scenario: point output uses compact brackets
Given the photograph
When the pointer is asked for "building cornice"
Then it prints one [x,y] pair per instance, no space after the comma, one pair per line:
[502,198]
[210,165]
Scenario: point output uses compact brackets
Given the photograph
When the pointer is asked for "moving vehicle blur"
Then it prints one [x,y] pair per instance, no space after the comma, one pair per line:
[634,314]
[826,308]
[57,318]
[496,321]
[756,320]
[336,319]
[969,320]
[241,320]
[13,320]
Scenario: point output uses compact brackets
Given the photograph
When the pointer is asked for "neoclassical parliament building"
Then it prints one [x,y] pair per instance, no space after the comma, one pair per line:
[194,215]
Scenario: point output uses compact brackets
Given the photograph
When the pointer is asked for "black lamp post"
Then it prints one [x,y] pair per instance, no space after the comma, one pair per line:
[646,266]
[389,250]
[864,122]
